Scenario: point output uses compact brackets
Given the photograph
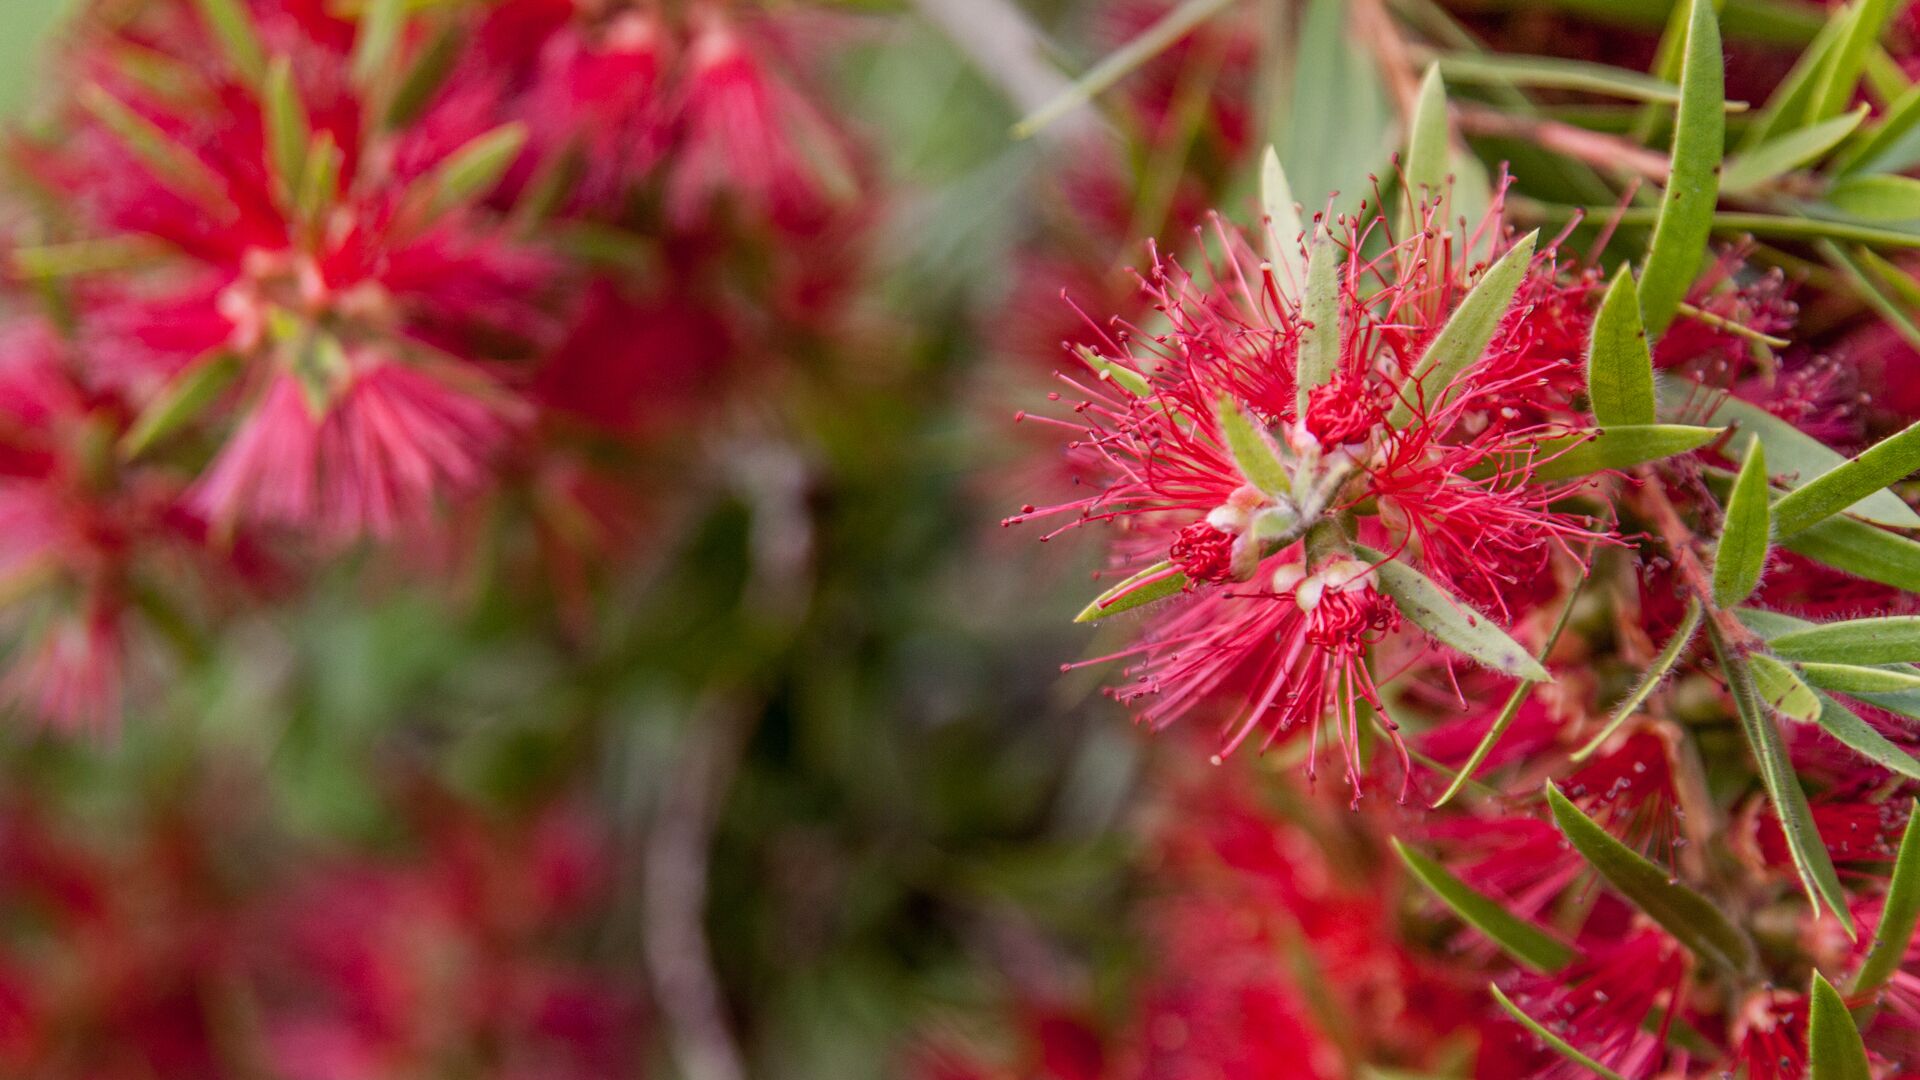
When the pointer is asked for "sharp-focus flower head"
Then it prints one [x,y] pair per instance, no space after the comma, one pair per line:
[1400,393]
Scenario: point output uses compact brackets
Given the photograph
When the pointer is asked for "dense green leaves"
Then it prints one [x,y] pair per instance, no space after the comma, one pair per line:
[1464,339]
[1692,920]
[1890,639]
[1810,858]
[1526,942]
[1615,448]
[1900,914]
[1847,61]
[1619,363]
[1744,541]
[1156,582]
[1693,187]
[1834,1049]
[1430,607]
[1886,462]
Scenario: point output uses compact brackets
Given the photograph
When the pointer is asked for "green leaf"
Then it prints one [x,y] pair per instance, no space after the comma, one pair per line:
[31,24]
[1692,920]
[183,399]
[1886,462]
[1735,223]
[1619,363]
[377,40]
[1517,698]
[1649,680]
[1810,858]
[1433,609]
[1428,138]
[1890,639]
[1834,1049]
[1556,73]
[1252,449]
[1156,582]
[1767,162]
[1782,690]
[1464,339]
[1521,939]
[1284,228]
[1338,120]
[1588,452]
[1560,1046]
[1119,374]
[473,171]
[1686,209]
[1876,197]
[171,163]
[1840,77]
[1151,42]
[1868,151]
[1319,352]
[288,129]
[232,26]
[1859,736]
[1863,550]
[1790,451]
[1900,914]
[321,184]
[1791,99]
[1744,541]
[1770,624]
[424,79]
[1854,679]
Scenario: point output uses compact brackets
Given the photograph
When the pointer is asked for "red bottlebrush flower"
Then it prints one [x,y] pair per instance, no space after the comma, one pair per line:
[599,105]
[1600,1004]
[336,287]
[1442,476]
[1770,1036]
[750,138]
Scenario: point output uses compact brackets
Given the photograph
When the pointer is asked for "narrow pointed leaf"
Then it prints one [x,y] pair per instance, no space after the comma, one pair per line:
[1151,42]
[425,77]
[1770,624]
[1868,151]
[1744,541]
[1841,76]
[1693,187]
[1887,462]
[1119,374]
[1650,680]
[1898,917]
[1448,618]
[1320,340]
[377,39]
[183,399]
[320,186]
[1463,340]
[1692,920]
[1782,690]
[472,171]
[1559,1045]
[1521,939]
[288,128]
[1877,197]
[171,163]
[1788,104]
[1890,639]
[1854,679]
[1252,449]
[232,26]
[1284,228]
[1517,698]
[1556,73]
[1156,582]
[1337,129]
[1863,550]
[1834,1049]
[1791,452]
[1784,153]
[1615,448]
[1859,736]
[1619,363]
[1810,858]
[1425,166]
